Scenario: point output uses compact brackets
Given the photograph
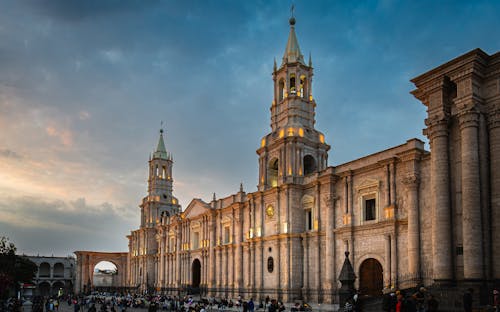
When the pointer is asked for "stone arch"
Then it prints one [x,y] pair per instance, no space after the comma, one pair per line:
[57,288]
[371,277]
[44,289]
[196,273]
[44,269]
[272,172]
[87,260]
[309,164]
[58,270]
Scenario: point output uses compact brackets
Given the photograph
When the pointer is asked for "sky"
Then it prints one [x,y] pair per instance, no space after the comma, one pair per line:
[85,85]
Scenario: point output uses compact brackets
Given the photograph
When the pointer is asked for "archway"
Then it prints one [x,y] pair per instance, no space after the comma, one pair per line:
[57,289]
[58,270]
[309,165]
[105,273]
[87,260]
[196,271]
[44,270]
[44,289]
[272,172]
[371,278]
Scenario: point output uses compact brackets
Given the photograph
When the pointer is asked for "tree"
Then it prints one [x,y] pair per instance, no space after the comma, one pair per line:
[14,269]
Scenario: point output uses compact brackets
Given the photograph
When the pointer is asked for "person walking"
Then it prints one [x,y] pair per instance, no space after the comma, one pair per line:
[468,300]
[496,301]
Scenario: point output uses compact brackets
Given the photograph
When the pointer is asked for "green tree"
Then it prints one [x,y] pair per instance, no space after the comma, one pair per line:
[14,269]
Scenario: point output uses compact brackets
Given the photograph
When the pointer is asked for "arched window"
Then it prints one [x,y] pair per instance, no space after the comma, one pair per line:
[58,270]
[302,88]
[164,172]
[44,270]
[293,87]
[281,91]
[309,164]
[157,171]
[272,172]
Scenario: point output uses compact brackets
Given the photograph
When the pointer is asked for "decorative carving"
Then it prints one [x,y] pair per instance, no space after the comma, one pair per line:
[437,126]
[468,118]
[329,200]
[411,179]
[494,119]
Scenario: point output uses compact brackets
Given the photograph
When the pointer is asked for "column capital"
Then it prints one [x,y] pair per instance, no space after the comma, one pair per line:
[436,127]
[468,118]
[411,180]
[494,119]
[329,200]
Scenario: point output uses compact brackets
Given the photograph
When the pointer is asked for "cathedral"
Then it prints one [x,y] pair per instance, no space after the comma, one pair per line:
[406,216]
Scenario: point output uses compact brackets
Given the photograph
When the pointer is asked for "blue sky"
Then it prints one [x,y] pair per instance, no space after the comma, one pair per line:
[84,86]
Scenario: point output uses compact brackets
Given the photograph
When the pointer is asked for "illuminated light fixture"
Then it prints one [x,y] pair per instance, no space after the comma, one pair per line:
[290,131]
[322,138]
[298,93]
[263,142]
[289,170]
[274,102]
[310,97]
[316,224]
[250,233]
[301,132]
[300,171]
[259,232]
[282,133]
[285,227]
[286,94]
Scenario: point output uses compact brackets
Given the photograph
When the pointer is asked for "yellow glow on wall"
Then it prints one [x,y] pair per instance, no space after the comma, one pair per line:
[274,102]
[316,224]
[286,94]
[322,138]
[310,97]
[300,171]
[282,133]
[290,131]
[174,201]
[263,142]
[259,232]
[285,227]
[301,132]
[289,170]
[298,93]
[250,233]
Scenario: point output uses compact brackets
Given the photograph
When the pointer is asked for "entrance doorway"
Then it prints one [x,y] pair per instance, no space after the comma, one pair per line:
[371,279]
[196,278]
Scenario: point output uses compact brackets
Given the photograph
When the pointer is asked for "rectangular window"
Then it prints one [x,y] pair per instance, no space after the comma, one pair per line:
[196,240]
[370,213]
[309,220]
[226,235]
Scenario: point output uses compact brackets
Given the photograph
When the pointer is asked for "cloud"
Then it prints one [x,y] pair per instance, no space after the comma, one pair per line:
[75,223]
[64,135]
[83,115]
[7,153]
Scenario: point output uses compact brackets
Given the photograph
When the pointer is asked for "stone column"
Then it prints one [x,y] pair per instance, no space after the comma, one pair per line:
[329,248]
[471,196]
[411,182]
[494,137]
[437,132]
[387,269]
[394,261]
[213,239]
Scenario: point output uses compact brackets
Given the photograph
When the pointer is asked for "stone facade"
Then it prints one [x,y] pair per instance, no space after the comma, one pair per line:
[54,274]
[407,216]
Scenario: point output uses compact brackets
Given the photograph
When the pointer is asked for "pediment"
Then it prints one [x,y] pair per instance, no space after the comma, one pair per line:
[195,208]
[368,184]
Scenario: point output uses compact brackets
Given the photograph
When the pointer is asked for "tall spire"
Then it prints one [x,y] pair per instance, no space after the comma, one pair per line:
[161,152]
[292,51]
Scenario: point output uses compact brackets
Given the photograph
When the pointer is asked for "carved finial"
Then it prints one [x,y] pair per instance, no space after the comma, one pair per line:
[292,18]
[241,187]
[346,254]
[214,198]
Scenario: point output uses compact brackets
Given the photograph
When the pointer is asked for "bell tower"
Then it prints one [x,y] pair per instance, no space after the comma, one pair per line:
[293,149]
[160,199]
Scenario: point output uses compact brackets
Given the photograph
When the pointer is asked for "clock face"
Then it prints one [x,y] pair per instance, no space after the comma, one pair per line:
[270,211]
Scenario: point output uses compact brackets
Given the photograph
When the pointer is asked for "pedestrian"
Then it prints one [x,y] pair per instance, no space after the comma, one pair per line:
[468,300]
[432,304]
[251,305]
[496,301]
